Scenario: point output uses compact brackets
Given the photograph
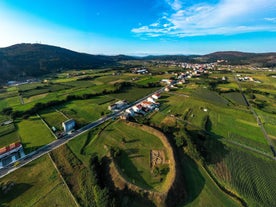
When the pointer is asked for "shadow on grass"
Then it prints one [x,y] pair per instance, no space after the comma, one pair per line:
[15,191]
[130,171]
[132,141]
[211,150]
[207,143]
[194,181]
[131,151]
[125,197]
[136,156]
[28,149]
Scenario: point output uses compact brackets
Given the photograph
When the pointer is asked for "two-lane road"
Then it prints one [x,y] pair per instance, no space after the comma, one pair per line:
[63,140]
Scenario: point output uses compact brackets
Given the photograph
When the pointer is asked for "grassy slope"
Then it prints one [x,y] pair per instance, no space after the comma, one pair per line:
[202,191]
[251,176]
[134,160]
[40,186]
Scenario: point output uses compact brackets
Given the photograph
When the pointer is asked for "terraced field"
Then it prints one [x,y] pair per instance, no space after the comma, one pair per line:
[251,176]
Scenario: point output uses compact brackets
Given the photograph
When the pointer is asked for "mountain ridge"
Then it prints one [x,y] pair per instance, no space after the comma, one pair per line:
[33,60]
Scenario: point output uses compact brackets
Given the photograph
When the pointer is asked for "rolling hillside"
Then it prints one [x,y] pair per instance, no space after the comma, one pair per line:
[22,61]
[33,60]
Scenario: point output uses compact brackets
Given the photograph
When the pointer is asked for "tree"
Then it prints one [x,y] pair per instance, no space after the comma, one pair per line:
[7,111]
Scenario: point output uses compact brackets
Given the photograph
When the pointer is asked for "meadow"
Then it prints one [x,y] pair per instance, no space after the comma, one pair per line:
[53,118]
[134,144]
[34,133]
[41,185]
[202,190]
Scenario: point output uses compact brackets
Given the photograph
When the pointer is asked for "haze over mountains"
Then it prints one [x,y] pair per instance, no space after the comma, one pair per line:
[33,60]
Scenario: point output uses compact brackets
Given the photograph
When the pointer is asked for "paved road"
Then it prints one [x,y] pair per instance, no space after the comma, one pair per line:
[59,142]
[259,122]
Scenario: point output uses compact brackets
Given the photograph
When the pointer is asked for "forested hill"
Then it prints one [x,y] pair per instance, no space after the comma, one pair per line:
[23,61]
[230,57]
[33,60]
[233,57]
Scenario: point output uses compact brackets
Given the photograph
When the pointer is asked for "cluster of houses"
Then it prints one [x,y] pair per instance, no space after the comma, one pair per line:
[191,66]
[118,105]
[10,154]
[17,83]
[142,107]
[142,70]
[247,78]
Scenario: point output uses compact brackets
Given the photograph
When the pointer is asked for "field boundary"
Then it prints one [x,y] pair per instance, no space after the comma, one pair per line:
[158,196]
[222,188]
[44,122]
[60,175]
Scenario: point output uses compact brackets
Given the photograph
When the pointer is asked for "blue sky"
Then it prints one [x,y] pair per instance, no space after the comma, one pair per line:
[140,27]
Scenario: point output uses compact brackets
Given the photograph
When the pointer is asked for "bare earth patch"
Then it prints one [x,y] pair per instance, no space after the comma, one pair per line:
[157,157]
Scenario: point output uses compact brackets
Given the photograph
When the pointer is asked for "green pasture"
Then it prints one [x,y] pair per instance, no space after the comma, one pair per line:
[36,184]
[9,102]
[86,111]
[34,133]
[5,129]
[201,189]
[44,89]
[9,138]
[53,118]
[235,98]
[237,124]
[30,86]
[149,79]
[134,160]
[132,94]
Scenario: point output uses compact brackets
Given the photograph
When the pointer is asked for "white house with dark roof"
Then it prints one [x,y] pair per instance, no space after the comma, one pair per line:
[68,125]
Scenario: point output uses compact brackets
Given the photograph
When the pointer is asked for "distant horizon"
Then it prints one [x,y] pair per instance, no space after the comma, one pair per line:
[139,54]
[142,26]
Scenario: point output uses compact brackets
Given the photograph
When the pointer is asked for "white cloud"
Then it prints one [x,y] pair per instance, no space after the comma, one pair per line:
[225,17]
[272,19]
[175,4]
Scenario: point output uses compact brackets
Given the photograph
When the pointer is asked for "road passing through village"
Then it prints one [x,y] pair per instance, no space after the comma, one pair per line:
[63,140]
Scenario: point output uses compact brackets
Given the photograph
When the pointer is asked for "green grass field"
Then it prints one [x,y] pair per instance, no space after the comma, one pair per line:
[53,118]
[133,94]
[201,189]
[228,122]
[34,133]
[40,186]
[134,161]
[86,111]
[9,138]
[235,98]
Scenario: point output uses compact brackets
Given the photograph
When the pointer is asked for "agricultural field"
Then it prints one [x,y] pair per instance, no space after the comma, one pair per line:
[53,118]
[41,185]
[202,191]
[34,133]
[86,111]
[213,108]
[9,138]
[251,175]
[228,122]
[132,94]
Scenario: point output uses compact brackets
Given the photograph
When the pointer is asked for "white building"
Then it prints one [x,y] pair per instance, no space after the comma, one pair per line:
[156,96]
[68,125]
